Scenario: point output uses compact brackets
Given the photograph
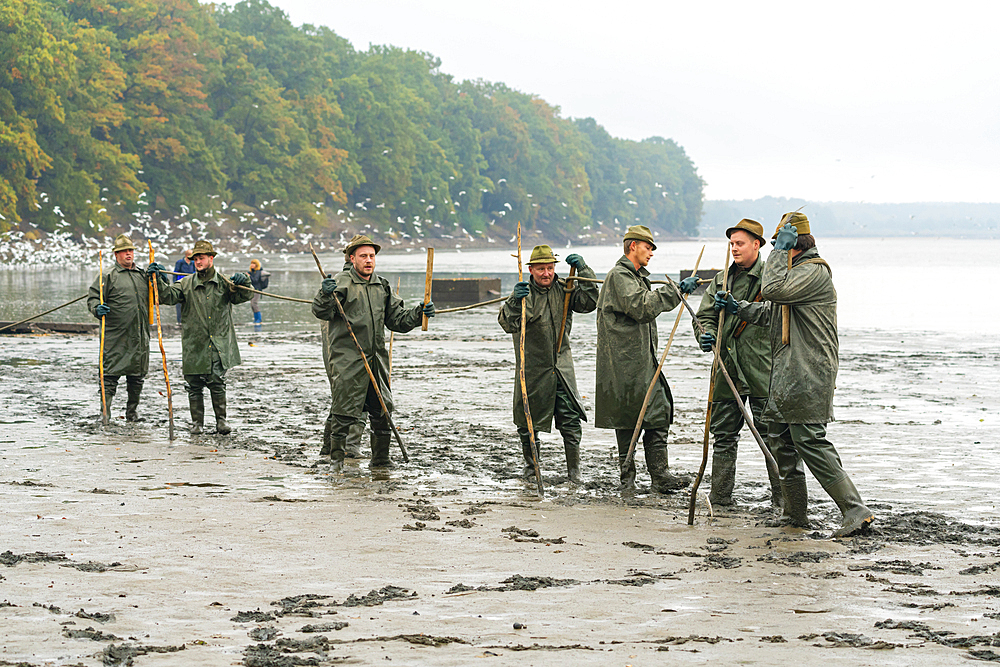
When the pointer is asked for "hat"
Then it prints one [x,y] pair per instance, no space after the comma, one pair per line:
[751,227]
[796,219]
[123,242]
[203,248]
[640,233]
[542,254]
[358,241]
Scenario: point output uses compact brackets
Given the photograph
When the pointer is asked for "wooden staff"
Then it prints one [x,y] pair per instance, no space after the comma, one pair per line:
[656,376]
[361,351]
[569,295]
[428,281]
[100,362]
[469,307]
[155,305]
[35,317]
[392,334]
[786,313]
[249,289]
[524,384]
[152,293]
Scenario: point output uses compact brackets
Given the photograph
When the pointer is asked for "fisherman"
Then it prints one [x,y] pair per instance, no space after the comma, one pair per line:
[549,373]
[627,360]
[186,266]
[803,373]
[259,280]
[746,353]
[370,307]
[126,325]
[208,339]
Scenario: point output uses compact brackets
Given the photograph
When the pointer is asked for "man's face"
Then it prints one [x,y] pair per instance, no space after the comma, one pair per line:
[641,253]
[744,247]
[125,258]
[202,261]
[543,274]
[363,259]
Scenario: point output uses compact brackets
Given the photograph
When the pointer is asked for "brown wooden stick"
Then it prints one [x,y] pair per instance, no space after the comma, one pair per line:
[361,351]
[100,283]
[469,307]
[524,384]
[428,282]
[392,334]
[50,310]
[786,313]
[163,353]
[249,289]
[569,295]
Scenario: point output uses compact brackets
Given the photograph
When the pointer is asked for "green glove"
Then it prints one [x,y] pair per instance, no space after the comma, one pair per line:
[429,309]
[689,284]
[575,261]
[521,290]
[241,279]
[787,237]
[154,269]
[103,309]
[706,340]
[329,284]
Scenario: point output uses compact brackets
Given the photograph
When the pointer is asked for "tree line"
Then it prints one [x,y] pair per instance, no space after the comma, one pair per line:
[109,107]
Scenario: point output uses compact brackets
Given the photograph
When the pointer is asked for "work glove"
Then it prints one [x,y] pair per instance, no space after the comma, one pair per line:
[689,284]
[429,309]
[154,268]
[329,284]
[707,340]
[521,290]
[240,279]
[576,261]
[724,300]
[788,236]
[103,309]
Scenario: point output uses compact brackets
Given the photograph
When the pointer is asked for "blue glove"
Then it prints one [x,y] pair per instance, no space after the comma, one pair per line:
[429,309]
[154,268]
[787,237]
[689,284]
[241,279]
[707,340]
[103,309]
[732,305]
[329,284]
[720,300]
[575,261]
[521,290]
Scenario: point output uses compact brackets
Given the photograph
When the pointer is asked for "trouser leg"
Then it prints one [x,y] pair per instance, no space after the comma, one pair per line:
[216,383]
[353,445]
[133,385]
[568,422]
[791,471]
[195,385]
[528,453]
[626,475]
[110,389]
[774,479]
[381,437]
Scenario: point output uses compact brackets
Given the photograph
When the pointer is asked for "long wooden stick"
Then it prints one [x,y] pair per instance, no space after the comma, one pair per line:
[152,288]
[249,289]
[392,334]
[786,314]
[100,363]
[438,311]
[652,384]
[163,353]
[428,282]
[569,296]
[524,384]
[361,351]
[50,310]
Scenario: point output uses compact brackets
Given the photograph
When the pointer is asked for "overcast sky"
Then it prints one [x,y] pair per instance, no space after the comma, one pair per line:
[866,101]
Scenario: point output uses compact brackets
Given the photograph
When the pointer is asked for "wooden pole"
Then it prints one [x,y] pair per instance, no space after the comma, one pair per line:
[656,376]
[569,295]
[50,310]
[155,303]
[469,307]
[524,384]
[249,289]
[786,314]
[361,351]
[100,363]
[428,281]
[392,334]
[152,290]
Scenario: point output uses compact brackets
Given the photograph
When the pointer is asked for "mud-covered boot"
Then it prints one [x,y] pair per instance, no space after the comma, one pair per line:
[777,499]
[626,475]
[573,461]
[661,479]
[723,481]
[219,406]
[528,471]
[109,393]
[337,453]
[857,517]
[197,404]
[795,509]
[380,441]
[353,448]
[327,438]
[133,390]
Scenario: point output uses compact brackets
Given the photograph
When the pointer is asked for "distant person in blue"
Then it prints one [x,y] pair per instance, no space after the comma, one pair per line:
[259,280]
[183,265]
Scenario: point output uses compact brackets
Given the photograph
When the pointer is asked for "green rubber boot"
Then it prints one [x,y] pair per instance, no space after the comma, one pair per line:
[196,402]
[219,407]
[380,441]
[795,510]
[723,481]
[857,517]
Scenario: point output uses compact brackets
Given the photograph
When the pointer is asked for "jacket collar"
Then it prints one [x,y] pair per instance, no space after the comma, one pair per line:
[357,279]
[808,254]
[198,280]
[627,263]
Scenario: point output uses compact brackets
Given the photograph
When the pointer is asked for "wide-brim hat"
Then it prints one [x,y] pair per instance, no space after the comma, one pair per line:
[542,254]
[358,241]
[640,233]
[203,248]
[123,242]
[797,220]
[749,226]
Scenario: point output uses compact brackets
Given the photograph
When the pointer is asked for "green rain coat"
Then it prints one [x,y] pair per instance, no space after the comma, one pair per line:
[804,372]
[206,319]
[544,310]
[371,308]
[626,349]
[748,356]
[126,327]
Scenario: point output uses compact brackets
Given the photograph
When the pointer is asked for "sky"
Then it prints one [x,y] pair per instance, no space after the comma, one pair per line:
[846,101]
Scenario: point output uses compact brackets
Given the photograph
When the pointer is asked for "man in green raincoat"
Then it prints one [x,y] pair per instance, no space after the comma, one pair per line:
[371,307]
[126,325]
[803,373]
[746,353]
[549,373]
[208,338]
[627,359]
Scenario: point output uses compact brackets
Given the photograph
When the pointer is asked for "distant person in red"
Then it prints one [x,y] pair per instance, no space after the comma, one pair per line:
[183,265]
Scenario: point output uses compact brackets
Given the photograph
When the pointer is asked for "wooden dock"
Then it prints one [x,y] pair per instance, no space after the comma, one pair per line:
[447,292]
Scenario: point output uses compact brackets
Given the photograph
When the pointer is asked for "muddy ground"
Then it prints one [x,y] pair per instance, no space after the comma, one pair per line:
[120,547]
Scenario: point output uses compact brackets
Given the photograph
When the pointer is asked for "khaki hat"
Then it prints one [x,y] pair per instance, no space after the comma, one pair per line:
[751,227]
[542,254]
[203,248]
[796,219]
[640,233]
[123,242]
[358,241]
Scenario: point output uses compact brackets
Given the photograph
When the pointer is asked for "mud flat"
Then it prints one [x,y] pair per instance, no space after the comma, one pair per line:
[119,547]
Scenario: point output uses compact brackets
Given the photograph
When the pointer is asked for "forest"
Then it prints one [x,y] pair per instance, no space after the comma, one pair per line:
[116,108]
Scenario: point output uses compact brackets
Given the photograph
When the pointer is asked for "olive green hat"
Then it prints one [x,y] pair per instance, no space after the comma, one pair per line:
[123,242]
[640,233]
[796,219]
[358,241]
[203,248]
[749,226]
[542,254]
